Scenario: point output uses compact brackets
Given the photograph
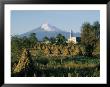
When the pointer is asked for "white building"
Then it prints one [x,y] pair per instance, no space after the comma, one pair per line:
[72,38]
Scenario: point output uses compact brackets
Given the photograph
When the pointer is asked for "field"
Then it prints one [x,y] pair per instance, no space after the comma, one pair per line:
[58,66]
[56,56]
[68,66]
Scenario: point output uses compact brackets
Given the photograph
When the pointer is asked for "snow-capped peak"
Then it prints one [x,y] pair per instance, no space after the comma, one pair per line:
[46,27]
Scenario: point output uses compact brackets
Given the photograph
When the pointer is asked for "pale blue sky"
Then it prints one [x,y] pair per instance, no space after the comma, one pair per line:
[23,21]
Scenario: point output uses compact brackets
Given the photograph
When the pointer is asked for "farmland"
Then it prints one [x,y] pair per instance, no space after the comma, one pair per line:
[55,57]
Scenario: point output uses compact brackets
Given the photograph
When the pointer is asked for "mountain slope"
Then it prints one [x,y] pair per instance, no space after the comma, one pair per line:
[49,31]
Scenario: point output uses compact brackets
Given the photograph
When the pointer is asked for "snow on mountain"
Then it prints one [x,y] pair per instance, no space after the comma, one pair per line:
[46,27]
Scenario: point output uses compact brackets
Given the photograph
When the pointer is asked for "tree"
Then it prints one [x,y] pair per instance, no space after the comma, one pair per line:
[52,40]
[33,40]
[96,51]
[28,41]
[16,46]
[96,27]
[60,39]
[46,40]
[88,38]
[25,42]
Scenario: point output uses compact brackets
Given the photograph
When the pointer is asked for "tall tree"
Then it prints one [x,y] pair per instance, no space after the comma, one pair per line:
[88,38]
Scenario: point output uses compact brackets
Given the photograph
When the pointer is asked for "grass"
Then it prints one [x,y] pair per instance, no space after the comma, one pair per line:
[68,66]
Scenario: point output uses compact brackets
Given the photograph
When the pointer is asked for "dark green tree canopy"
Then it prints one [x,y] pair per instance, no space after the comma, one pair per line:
[60,39]
[45,39]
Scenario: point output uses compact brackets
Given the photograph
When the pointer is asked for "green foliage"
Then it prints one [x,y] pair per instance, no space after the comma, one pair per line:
[60,39]
[89,37]
[46,40]
[53,40]
[32,39]
[42,60]
[67,66]
[15,48]
[96,27]
[96,51]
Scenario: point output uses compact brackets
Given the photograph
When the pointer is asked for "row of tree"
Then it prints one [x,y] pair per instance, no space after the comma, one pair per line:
[90,41]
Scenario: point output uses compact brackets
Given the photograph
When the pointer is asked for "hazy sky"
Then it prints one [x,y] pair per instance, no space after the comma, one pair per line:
[23,21]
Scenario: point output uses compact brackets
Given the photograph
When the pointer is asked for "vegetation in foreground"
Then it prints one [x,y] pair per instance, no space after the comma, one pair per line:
[54,57]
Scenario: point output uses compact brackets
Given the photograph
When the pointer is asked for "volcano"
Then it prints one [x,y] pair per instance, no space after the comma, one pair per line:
[48,30]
